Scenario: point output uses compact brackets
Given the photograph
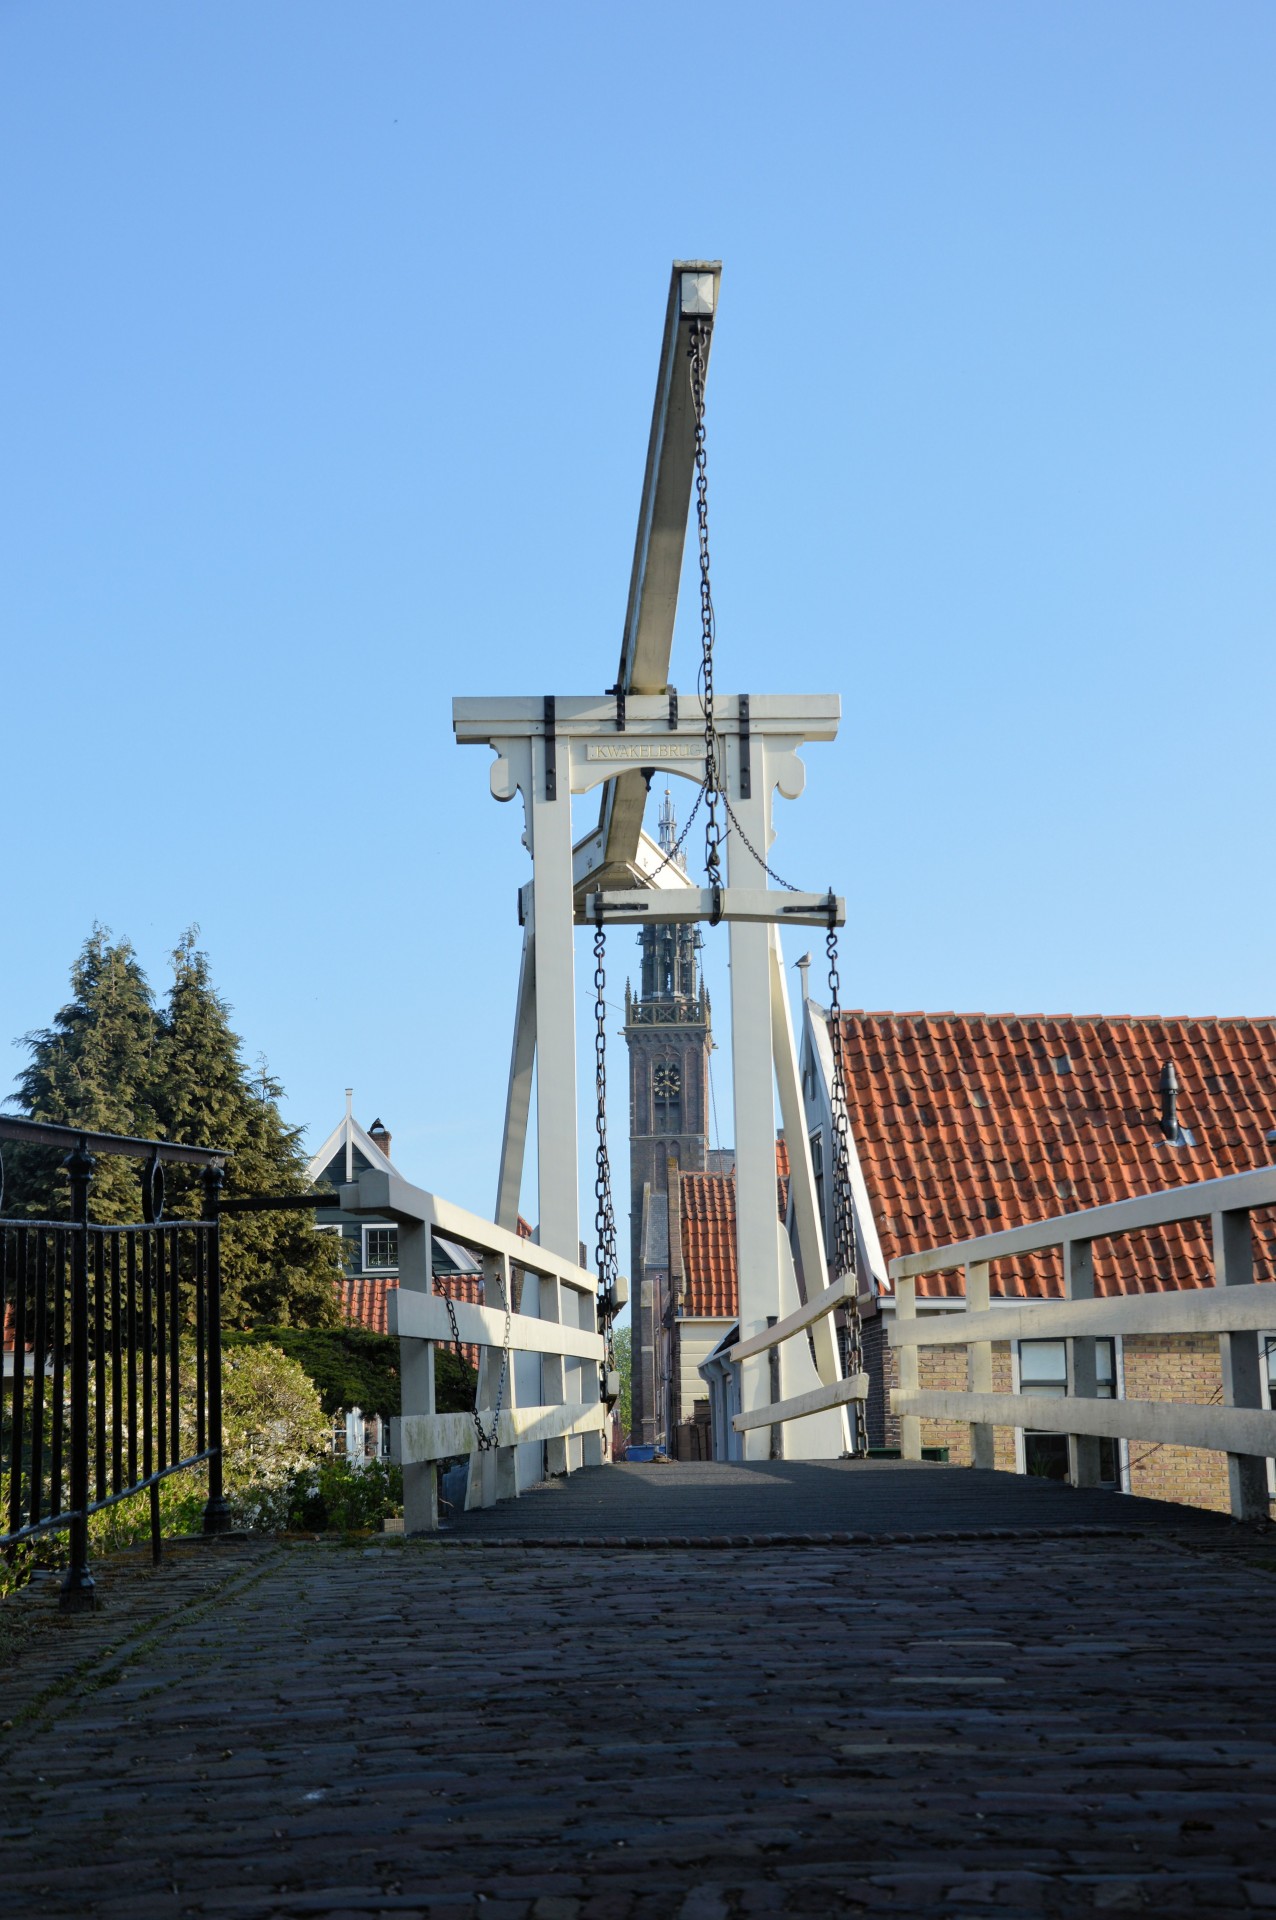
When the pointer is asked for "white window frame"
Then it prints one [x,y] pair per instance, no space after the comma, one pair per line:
[1118,1388]
[380,1226]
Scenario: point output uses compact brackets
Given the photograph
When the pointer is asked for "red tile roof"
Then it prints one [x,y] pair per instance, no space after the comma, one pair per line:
[709,1238]
[365,1301]
[968,1123]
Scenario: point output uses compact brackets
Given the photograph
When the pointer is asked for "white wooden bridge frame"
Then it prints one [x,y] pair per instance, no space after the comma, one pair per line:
[544,760]
[1237,1310]
[551,1399]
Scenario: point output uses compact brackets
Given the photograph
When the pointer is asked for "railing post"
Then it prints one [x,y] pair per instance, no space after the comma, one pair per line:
[78,1593]
[979,1366]
[416,1382]
[1078,1284]
[910,1427]
[217,1515]
[777,1427]
[1242,1370]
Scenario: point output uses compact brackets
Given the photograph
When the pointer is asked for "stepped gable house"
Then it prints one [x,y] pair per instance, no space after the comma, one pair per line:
[963,1124]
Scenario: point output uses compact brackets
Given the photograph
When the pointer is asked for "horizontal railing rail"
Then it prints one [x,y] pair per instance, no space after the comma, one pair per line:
[1233,1193]
[1236,1310]
[563,1336]
[826,1398]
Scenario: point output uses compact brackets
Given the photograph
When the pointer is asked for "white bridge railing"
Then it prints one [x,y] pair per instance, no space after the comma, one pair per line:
[1236,1309]
[551,1417]
[830,1396]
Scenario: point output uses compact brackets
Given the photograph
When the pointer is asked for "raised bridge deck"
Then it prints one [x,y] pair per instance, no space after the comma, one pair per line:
[832,1502]
[1045,1722]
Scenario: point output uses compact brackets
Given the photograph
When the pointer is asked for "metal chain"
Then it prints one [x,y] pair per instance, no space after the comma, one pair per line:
[676,848]
[844,1254]
[699,356]
[486,1440]
[779,879]
[604,1211]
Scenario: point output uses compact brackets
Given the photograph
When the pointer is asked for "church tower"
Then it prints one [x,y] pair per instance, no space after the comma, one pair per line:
[668,1033]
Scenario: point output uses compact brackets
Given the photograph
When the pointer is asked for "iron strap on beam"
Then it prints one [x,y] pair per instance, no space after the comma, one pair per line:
[551,747]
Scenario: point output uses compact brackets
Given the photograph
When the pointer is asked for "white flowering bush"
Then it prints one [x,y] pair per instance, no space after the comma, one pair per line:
[273,1430]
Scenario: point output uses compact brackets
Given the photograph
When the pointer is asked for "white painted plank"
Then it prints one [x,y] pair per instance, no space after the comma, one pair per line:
[819,1400]
[1230,1194]
[418,1437]
[792,1323]
[636,907]
[390,1194]
[1163,1422]
[420,1316]
[1245,1309]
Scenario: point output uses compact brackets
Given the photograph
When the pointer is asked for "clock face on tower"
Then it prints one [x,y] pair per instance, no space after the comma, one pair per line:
[667,1082]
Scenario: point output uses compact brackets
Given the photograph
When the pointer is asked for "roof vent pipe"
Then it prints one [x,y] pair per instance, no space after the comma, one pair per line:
[1170,1104]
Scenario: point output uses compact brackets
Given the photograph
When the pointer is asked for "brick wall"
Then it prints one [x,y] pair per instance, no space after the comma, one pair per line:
[1185,1368]
[938,1368]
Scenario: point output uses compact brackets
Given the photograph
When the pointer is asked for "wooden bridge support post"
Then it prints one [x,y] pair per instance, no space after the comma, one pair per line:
[549,814]
[1242,1368]
[1078,1284]
[910,1427]
[493,1475]
[979,1366]
[753,1075]
[416,1377]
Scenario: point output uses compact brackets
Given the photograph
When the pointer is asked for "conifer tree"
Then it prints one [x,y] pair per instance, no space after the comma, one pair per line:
[111,1063]
[94,1067]
[276,1269]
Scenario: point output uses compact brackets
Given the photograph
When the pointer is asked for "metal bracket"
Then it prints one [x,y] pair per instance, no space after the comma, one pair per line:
[619,691]
[746,772]
[551,747]
[673,709]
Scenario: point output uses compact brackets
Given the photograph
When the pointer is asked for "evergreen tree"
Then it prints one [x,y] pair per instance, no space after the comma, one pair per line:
[275,1268]
[94,1067]
[110,1063]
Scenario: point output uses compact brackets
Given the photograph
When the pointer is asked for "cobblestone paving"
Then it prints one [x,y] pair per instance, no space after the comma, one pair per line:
[1050,1726]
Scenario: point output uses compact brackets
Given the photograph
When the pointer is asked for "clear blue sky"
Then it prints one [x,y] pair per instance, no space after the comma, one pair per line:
[327,349]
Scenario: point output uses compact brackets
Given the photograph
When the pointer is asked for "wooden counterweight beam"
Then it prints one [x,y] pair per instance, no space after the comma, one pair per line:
[662,532]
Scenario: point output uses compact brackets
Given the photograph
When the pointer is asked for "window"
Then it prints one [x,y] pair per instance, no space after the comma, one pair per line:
[1043,1372]
[347,1245]
[380,1248]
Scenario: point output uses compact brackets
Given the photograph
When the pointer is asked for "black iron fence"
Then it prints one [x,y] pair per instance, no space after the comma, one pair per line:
[112,1349]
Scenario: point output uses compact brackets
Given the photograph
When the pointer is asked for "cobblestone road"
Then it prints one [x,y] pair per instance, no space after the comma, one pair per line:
[1031,1726]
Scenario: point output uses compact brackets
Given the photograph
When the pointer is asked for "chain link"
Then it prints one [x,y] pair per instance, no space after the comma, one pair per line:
[844,1250]
[486,1439]
[712,791]
[604,1212]
[779,879]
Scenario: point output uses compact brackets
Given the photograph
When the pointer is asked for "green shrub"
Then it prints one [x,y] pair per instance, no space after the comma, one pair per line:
[337,1497]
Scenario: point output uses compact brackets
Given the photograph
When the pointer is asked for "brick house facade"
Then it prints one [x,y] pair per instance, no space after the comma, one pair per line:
[965,1124]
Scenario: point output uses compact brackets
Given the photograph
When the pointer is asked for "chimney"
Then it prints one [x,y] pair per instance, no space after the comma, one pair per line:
[379,1137]
[1170,1104]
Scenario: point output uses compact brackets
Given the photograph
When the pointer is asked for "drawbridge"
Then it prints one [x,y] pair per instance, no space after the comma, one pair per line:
[547,1375]
[791,1383]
